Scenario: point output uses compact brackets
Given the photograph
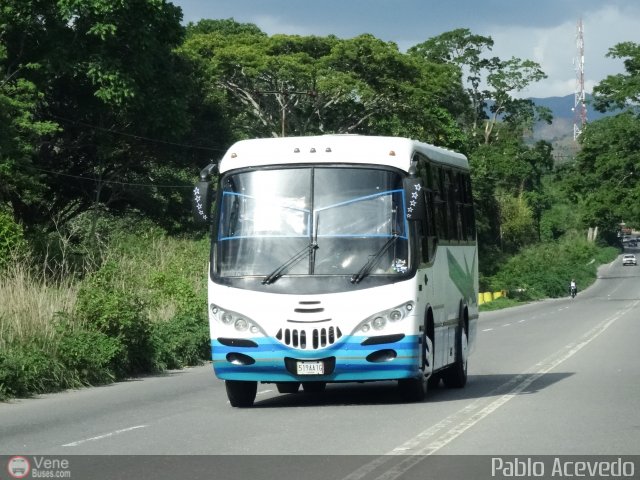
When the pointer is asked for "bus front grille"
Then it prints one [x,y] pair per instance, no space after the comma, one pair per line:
[311,339]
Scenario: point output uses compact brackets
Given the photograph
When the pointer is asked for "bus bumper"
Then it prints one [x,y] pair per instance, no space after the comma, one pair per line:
[352,359]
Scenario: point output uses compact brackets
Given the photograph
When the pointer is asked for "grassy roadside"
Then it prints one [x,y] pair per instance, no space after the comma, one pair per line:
[141,311]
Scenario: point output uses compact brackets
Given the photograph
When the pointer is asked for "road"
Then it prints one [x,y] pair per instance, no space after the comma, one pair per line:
[557,377]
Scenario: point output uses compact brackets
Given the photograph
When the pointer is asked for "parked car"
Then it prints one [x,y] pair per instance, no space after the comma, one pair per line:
[629,259]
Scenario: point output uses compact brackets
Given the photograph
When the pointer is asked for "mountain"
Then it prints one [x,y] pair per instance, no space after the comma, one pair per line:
[562,107]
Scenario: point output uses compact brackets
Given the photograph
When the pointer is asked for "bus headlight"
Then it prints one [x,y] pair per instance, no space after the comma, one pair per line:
[240,322]
[378,323]
[380,320]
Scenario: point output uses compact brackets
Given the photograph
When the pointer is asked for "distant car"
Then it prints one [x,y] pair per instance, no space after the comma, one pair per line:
[629,259]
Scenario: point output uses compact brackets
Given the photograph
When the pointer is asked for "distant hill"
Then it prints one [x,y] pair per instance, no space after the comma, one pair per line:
[560,132]
[562,107]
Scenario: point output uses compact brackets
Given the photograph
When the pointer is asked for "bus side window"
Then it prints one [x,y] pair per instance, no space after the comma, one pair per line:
[428,232]
[451,196]
[440,203]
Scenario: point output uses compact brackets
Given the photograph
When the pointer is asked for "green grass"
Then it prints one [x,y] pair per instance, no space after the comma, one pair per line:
[140,310]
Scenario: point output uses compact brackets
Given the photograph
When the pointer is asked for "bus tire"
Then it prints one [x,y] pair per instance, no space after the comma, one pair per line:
[288,387]
[415,389]
[314,387]
[456,375]
[240,393]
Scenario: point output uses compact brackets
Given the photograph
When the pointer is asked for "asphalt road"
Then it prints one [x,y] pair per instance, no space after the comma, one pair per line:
[558,378]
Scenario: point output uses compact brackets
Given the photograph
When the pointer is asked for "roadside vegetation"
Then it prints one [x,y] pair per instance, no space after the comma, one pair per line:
[139,307]
[102,272]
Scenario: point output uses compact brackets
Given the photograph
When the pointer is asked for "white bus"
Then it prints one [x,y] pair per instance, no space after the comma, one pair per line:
[340,258]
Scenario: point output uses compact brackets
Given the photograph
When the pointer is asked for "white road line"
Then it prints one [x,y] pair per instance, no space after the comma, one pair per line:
[415,448]
[506,324]
[106,435]
[487,329]
[263,392]
[523,320]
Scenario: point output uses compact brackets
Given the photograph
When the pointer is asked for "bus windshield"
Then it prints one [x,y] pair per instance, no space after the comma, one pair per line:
[312,221]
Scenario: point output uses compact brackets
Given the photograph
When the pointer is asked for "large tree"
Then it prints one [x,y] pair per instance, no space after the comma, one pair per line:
[106,73]
[296,85]
[621,90]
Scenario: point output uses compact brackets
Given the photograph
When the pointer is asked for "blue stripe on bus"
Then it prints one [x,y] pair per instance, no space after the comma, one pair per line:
[350,355]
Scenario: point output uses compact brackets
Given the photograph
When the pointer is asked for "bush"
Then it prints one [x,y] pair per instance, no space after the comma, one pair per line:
[26,369]
[11,238]
[88,355]
[181,341]
[104,306]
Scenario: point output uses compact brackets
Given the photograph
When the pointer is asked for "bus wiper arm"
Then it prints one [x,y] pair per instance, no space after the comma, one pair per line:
[277,273]
[364,271]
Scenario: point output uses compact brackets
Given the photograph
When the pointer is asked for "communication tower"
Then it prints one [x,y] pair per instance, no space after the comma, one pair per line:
[580,106]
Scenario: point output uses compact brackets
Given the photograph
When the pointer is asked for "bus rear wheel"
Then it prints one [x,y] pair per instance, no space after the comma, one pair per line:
[456,375]
[240,393]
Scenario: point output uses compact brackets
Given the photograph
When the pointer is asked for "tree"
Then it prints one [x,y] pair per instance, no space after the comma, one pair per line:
[604,179]
[621,90]
[504,79]
[463,49]
[107,75]
[294,85]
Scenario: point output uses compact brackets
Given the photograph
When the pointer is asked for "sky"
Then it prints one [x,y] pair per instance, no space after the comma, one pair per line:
[541,30]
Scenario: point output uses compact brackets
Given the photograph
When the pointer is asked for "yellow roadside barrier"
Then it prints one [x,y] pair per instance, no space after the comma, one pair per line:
[486,297]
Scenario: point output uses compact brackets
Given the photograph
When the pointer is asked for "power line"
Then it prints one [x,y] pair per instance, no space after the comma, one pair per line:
[112,181]
[137,137]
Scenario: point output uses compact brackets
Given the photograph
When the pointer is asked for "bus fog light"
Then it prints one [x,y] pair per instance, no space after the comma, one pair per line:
[409,306]
[254,329]
[241,324]
[365,327]
[214,309]
[378,323]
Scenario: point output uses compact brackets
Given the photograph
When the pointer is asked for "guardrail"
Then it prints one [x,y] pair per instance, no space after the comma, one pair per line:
[485,297]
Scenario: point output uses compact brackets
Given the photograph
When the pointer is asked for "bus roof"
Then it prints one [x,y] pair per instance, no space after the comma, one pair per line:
[344,149]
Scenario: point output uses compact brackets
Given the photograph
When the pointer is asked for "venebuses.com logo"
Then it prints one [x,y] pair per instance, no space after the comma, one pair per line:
[38,467]
[18,467]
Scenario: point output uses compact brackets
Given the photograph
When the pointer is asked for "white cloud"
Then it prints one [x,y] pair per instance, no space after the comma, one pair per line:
[556,49]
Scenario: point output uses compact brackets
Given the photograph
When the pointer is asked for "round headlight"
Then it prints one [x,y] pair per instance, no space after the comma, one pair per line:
[254,329]
[227,318]
[241,324]
[378,323]
[213,308]
[365,327]
[395,315]
[409,306]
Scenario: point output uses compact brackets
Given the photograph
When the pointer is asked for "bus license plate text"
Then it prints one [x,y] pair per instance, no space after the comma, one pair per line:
[310,368]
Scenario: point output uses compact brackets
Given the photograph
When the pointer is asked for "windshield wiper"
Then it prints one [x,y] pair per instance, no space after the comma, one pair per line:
[366,269]
[278,272]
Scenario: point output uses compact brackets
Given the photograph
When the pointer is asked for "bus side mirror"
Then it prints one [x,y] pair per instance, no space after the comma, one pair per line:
[202,199]
[414,198]
[203,194]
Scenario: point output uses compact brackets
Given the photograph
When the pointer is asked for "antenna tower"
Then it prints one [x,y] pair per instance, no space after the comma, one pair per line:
[580,106]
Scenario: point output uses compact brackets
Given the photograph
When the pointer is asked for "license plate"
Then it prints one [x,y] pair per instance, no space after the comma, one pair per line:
[310,368]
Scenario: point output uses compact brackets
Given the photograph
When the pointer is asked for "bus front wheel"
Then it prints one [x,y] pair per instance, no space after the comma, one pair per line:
[241,394]
[415,389]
